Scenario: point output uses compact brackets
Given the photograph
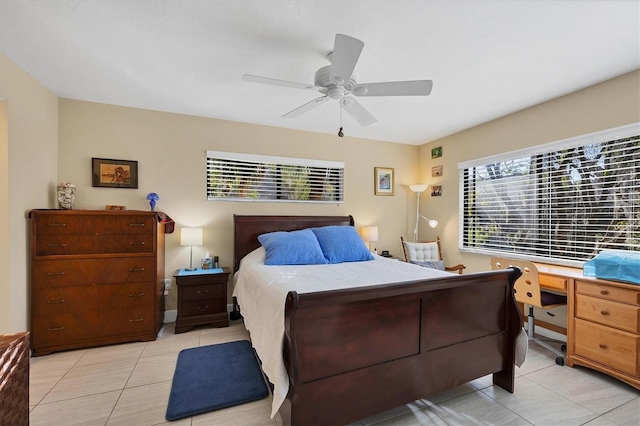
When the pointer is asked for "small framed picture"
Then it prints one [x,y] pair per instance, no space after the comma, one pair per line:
[436,190]
[383,181]
[436,171]
[114,173]
[436,152]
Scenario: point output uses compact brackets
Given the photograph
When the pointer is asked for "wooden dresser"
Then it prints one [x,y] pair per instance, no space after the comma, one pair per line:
[604,328]
[96,278]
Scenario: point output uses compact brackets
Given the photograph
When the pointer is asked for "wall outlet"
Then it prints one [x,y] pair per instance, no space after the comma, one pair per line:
[167,284]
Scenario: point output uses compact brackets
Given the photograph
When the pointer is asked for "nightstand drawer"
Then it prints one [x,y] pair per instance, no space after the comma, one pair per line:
[203,292]
[202,307]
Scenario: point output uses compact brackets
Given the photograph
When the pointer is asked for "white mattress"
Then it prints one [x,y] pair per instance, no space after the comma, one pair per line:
[261,293]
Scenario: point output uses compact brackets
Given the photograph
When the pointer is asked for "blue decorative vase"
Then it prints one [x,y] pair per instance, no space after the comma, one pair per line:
[152,197]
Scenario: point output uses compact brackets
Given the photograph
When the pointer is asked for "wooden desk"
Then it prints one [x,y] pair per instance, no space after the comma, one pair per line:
[603,321]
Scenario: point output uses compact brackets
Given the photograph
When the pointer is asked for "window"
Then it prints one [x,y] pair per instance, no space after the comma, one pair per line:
[247,177]
[561,201]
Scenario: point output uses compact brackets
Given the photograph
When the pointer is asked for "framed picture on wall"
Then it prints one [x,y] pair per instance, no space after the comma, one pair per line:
[383,181]
[436,171]
[108,173]
[436,190]
[436,152]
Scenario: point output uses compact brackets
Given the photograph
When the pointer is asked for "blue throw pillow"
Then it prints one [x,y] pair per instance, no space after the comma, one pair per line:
[292,248]
[342,244]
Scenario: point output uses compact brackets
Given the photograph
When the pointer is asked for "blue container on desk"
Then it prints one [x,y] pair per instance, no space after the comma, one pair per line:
[615,265]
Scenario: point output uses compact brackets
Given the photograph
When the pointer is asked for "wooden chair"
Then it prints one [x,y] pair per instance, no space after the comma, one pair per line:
[428,254]
[527,290]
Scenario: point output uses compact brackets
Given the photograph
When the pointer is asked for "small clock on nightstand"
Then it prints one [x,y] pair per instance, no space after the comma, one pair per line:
[202,298]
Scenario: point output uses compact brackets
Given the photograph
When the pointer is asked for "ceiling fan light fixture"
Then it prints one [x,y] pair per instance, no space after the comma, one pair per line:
[360,91]
[347,101]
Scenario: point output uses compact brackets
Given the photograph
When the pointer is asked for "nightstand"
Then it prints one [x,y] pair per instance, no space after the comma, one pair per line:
[202,298]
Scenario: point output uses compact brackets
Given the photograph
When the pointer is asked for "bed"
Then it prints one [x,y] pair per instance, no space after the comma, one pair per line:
[349,353]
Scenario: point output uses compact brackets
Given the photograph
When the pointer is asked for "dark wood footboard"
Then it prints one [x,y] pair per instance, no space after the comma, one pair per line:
[354,353]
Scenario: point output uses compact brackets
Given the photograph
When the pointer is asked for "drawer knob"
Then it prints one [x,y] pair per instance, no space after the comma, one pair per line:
[56,245]
[203,292]
[53,274]
[136,269]
[136,244]
[136,224]
[55,328]
[136,294]
[604,292]
[206,307]
[51,302]
[604,312]
[602,346]
[56,224]
[136,320]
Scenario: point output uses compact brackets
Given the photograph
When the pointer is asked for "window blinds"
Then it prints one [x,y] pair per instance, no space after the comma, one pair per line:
[566,200]
[248,177]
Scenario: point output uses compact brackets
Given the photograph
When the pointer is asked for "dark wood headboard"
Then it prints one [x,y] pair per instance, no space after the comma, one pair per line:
[247,229]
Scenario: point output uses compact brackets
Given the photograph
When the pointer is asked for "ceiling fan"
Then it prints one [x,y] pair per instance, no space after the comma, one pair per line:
[337,81]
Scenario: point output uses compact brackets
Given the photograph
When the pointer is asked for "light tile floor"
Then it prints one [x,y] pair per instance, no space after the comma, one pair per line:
[129,385]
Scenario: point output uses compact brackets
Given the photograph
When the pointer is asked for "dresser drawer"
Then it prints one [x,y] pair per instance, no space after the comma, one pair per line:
[202,292]
[58,300]
[202,307]
[554,282]
[114,223]
[607,346]
[48,245]
[614,314]
[77,272]
[602,291]
[125,296]
[61,328]
[127,321]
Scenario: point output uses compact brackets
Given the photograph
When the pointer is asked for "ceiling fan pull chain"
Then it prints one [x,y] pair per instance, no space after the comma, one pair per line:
[340,134]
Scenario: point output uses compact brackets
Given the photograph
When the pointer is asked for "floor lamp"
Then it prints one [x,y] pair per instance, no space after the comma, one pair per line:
[419,189]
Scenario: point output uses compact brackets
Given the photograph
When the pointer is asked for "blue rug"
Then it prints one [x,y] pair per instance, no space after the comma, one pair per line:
[212,377]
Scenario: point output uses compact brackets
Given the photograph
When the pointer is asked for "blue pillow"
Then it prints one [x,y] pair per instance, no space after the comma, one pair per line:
[292,248]
[342,244]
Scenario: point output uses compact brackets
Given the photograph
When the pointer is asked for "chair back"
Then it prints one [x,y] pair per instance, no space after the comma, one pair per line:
[527,287]
[421,251]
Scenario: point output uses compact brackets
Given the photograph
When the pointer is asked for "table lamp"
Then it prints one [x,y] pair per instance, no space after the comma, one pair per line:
[191,237]
[369,234]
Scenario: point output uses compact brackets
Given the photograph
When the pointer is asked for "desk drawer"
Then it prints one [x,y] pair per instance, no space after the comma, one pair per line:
[605,312]
[554,282]
[602,291]
[607,346]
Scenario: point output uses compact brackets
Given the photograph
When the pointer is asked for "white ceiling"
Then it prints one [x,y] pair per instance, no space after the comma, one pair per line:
[487,59]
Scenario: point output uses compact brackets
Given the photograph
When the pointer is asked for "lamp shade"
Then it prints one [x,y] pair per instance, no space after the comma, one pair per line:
[191,237]
[419,187]
[370,233]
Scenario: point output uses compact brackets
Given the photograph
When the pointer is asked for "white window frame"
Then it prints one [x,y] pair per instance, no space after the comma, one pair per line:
[466,245]
[273,188]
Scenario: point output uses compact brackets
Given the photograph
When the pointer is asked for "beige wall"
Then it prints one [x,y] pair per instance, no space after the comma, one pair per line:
[171,154]
[610,104]
[28,177]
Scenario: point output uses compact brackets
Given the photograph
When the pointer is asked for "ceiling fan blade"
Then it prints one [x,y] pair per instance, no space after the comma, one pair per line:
[394,88]
[358,112]
[306,107]
[275,82]
[346,51]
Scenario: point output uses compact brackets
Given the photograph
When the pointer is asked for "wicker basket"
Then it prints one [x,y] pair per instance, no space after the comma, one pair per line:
[14,379]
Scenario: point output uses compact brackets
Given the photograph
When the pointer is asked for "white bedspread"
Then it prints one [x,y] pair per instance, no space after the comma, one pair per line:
[261,292]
